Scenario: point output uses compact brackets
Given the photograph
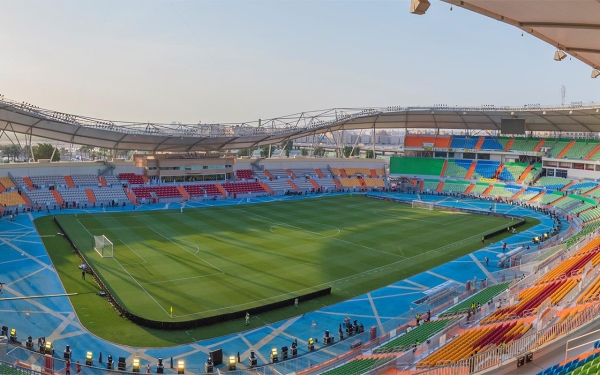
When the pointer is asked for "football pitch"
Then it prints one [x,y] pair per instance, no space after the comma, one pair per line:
[216,260]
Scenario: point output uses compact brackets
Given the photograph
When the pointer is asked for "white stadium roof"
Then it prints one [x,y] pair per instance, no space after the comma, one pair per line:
[27,119]
[572,26]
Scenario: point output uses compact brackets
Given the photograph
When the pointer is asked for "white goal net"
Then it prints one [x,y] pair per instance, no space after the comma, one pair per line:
[103,246]
[421,204]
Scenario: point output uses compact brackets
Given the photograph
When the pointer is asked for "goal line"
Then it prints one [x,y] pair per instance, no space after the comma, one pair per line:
[421,204]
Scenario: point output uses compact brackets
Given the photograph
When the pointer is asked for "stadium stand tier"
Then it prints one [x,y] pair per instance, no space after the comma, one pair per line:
[461,141]
[11,199]
[455,186]
[552,182]
[85,180]
[418,334]
[580,149]
[132,178]
[244,174]
[486,169]
[489,143]
[156,192]
[243,187]
[457,168]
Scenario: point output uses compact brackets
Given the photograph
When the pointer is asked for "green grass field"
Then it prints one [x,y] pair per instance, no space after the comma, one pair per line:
[214,260]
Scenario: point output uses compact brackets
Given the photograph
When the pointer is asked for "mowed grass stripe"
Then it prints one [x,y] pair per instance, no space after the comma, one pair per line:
[268,252]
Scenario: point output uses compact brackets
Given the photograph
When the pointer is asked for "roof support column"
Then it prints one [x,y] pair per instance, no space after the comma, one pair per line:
[373,141]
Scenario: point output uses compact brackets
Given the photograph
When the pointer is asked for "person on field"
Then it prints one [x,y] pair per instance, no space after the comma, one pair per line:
[247,318]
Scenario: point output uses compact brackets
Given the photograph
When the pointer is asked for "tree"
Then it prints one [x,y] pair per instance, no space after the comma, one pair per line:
[85,151]
[319,151]
[350,151]
[369,154]
[264,151]
[246,151]
[44,151]
[304,152]
[13,151]
[287,146]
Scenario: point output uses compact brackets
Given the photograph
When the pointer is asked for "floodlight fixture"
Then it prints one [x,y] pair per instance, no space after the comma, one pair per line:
[136,364]
[181,367]
[595,73]
[559,55]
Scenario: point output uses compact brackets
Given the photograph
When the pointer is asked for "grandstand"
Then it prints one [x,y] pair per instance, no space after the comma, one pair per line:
[529,308]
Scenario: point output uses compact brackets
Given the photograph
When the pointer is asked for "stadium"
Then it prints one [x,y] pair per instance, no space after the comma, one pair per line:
[396,240]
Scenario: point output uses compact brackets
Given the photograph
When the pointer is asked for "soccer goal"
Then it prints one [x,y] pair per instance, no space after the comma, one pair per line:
[421,204]
[103,246]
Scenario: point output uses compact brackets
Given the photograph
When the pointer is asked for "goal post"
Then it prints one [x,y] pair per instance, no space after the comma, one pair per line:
[422,204]
[103,246]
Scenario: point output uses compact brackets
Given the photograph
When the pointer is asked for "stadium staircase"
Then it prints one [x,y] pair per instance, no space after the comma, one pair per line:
[443,168]
[471,170]
[58,197]
[337,183]
[90,195]
[29,183]
[421,186]
[374,174]
[499,170]
[314,183]
[539,145]
[509,144]
[440,187]
[291,174]
[2,189]
[541,194]
[27,200]
[469,188]
[109,167]
[268,174]
[590,192]
[566,149]
[362,183]
[524,174]
[130,196]
[184,193]
[102,181]
[556,201]
[566,187]
[293,185]
[264,186]
[518,194]
[593,152]
[343,173]
[479,143]
[69,182]
[487,191]
[319,173]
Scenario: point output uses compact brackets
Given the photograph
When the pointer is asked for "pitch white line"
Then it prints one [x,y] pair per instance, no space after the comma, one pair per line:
[170,240]
[319,234]
[140,285]
[133,252]
[183,278]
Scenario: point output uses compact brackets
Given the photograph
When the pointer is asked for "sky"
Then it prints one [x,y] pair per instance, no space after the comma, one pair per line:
[235,61]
